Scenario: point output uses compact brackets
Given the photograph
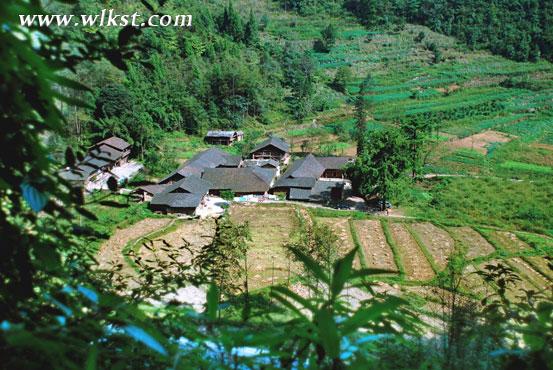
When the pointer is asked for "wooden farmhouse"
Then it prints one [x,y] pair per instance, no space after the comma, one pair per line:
[314,179]
[100,159]
[273,148]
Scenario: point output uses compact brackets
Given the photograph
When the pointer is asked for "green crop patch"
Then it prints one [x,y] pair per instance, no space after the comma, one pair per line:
[526,167]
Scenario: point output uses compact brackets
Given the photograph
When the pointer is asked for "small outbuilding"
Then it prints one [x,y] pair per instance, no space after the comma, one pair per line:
[218,137]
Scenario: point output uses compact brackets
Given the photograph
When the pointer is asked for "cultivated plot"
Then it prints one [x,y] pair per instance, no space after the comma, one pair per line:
[341,228]
[270,227]
[414,261]
[475,244]
[178,246]
[111,252]
[378,253]
[438,242]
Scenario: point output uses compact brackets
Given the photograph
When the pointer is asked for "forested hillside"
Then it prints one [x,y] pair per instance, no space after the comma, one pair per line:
[520,30]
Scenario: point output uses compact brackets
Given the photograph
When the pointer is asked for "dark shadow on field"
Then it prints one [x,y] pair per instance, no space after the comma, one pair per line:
[111,203]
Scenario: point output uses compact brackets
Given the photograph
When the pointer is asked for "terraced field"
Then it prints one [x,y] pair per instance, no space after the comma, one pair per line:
[414,261]
[341,228]
[422,250]
[271,227]
[376,250]
[417,251]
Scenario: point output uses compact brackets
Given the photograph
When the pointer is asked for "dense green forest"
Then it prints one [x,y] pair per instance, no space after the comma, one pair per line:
[378,79]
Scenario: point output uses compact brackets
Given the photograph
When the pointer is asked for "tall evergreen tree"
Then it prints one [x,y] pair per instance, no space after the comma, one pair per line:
[361,108]
[380,168]
[231,23]
[251,31]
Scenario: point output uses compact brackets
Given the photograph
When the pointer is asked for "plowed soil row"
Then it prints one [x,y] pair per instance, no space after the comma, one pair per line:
[438,242]
[340,226]
[111,252]
[179,246]
[270,229]
[512,244]
[414,261]
[475,244]
[378,253]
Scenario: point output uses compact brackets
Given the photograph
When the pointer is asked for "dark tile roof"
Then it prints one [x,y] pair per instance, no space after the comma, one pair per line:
[299,194]
[310,167]
[227,134]
[80,173]
[299,182]
[306,167]
[95,162]
[320,191]
[177,200]
[115,142]
[191,184]
[153,189]
[302,177]
[211,158]
[273,141]
[105,152]
[240,180]
[334,163]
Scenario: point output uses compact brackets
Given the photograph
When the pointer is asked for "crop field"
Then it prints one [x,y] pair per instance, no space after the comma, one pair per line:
[492,140]
[342,229]
[271,227]
[376,250]
[414,261]
[178,245]
[481,101]
[476,246]
[112,252]
[438,242]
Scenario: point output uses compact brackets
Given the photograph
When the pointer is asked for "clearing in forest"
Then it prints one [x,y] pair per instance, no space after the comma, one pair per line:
[414,261]
[378,253]
[439,243]
[270,227]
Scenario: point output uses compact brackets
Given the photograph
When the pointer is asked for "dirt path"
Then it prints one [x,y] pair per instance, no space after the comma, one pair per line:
[111,252]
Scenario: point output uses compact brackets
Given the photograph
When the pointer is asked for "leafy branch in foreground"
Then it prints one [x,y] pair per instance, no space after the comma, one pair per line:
[326,328]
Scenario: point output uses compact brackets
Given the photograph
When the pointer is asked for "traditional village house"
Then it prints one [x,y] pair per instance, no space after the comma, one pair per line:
[241,181]
[181,197]
[211,158]
[315,179]
[273,148]
[101,158]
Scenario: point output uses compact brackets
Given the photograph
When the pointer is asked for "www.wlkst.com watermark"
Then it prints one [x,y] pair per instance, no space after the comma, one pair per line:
[106,18]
